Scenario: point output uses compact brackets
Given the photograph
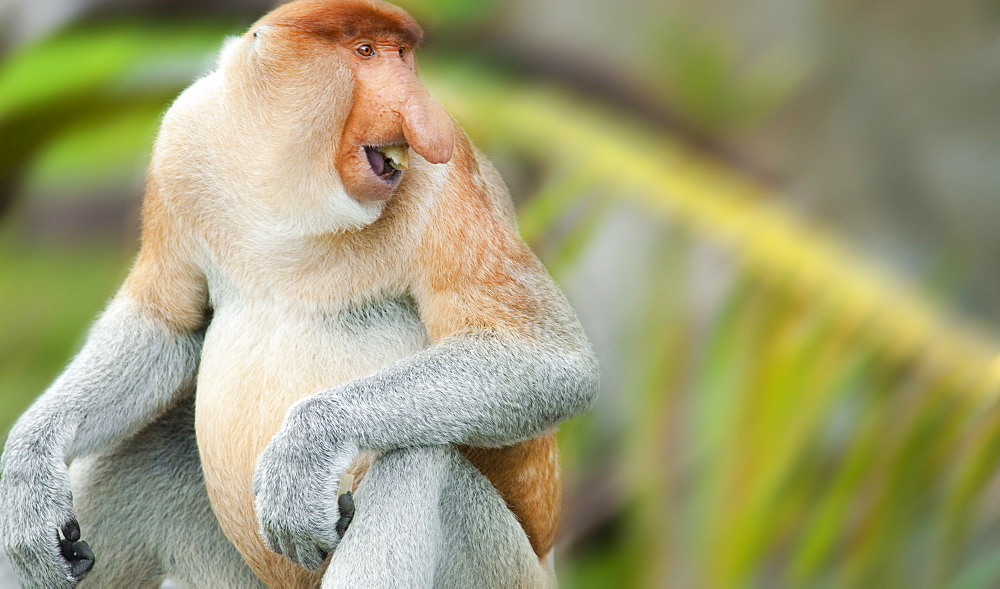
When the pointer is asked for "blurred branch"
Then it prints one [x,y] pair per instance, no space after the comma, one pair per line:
[90,74]
[614,90]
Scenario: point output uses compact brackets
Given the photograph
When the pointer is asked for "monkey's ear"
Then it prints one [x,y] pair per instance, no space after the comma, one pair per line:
[259,32]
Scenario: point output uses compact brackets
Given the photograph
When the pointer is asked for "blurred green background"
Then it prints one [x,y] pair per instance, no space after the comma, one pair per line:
[776,219]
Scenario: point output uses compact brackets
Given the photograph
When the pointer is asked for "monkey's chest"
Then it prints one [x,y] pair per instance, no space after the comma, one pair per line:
[258,359]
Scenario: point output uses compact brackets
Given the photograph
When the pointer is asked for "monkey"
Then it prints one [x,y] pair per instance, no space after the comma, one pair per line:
[329,281]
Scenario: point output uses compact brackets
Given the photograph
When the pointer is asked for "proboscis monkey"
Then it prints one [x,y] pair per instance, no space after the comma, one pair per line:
[330,280]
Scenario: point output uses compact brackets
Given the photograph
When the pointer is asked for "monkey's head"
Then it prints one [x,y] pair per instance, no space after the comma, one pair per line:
[317,110]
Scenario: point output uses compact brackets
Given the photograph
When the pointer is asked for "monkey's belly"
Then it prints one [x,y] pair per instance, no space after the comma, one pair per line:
[255,364]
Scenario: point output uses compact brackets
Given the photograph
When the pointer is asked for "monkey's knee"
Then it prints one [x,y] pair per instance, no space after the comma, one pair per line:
[122,558]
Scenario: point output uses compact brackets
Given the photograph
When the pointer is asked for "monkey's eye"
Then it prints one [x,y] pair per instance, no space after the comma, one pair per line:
[402,51]
[365,50]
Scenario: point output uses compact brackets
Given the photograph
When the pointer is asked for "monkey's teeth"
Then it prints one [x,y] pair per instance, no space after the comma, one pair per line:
[398,154]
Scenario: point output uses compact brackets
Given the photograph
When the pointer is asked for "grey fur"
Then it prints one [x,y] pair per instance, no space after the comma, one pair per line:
[129,372]
[427,518]
[422,511]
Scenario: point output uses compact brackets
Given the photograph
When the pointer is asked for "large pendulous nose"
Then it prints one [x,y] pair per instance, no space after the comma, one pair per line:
[427,126]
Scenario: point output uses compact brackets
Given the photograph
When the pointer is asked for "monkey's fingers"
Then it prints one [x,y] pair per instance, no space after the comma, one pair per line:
[297,550]
[79,556]
[71,530]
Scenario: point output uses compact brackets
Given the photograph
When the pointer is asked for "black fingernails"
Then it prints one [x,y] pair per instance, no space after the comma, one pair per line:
[77,553]
[79,569]
[75,550]
[71,530]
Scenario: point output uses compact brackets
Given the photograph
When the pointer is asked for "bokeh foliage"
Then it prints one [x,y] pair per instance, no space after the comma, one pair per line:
[814,424]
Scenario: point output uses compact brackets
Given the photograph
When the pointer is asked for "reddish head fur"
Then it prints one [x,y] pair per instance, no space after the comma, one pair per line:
[342,21]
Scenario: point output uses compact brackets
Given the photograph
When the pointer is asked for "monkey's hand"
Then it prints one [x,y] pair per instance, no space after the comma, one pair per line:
[40,533]
[296,487]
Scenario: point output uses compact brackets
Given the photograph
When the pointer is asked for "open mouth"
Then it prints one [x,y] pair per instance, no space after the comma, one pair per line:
[388,161]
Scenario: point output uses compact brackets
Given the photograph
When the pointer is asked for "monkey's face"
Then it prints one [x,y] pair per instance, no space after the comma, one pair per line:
[340,75]
[391,114]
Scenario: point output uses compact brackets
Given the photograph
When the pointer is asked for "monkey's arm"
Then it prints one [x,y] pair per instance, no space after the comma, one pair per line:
[510,359]
[480,387]
[139,357]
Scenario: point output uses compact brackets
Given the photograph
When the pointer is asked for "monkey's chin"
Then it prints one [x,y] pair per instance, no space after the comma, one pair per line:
[379,196]
[373,192]
[332,212]
[350,214]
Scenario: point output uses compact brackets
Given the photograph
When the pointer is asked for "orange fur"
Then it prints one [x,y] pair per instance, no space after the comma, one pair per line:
[345,20]
[473,264]
[163,284]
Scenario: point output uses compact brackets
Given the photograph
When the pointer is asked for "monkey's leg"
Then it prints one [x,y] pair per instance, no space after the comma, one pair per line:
[427,518]
[147,515]
[395,537]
